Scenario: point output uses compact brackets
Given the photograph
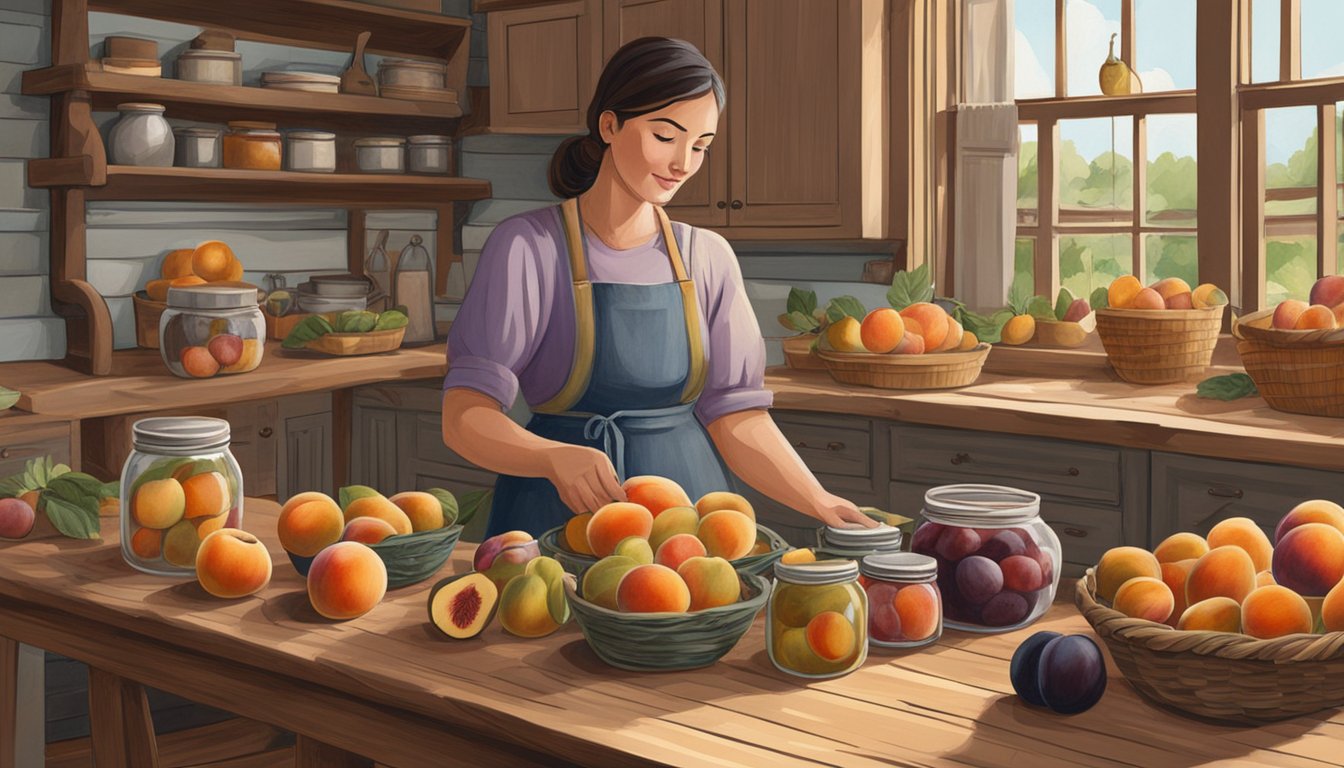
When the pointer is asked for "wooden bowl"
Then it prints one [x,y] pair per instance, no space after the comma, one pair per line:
[358,343]
[410,557]
[934,370]
[799,354]
[552,544]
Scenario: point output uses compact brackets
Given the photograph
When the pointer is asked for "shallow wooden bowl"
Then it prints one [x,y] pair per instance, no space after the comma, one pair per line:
[358,343]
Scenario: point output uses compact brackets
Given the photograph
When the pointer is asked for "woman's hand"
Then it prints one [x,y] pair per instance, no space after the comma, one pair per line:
[584,477]
[837,512]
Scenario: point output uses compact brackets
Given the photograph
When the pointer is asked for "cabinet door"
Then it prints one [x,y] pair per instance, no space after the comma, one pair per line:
[794,77]
[702,201]
[18,447]
[306,465]
[373,449]
[544,64]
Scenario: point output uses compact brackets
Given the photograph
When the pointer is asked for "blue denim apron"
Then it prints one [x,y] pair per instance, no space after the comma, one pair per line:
[639,367]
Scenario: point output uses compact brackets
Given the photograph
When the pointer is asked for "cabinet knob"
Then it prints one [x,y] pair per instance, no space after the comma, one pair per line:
[4,453]
[835,446]
[1073,472]
[1226,493]
[737,205]
[961,458]
[721,205]
[1077,533]
[265,432]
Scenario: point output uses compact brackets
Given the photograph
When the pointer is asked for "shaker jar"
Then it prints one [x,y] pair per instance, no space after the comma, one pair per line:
[817,619]
[252,146]
[428,153]
[197,147]
[208,330]
[310,151]
[905,609]
[381,155]
[179,485]
[998,562]
[855,543]
[141,136]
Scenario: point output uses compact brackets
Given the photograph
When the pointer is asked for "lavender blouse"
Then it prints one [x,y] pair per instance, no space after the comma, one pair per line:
[515,328]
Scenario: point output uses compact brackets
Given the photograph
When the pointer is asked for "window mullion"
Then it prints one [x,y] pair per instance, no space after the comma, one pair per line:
[1045,268]
[1290,41]
[1127,42]
[1252,289]
[1140,184]
[1061,50]
[1327,226]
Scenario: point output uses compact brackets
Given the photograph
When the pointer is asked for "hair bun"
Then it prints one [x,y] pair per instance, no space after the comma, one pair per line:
[575,165]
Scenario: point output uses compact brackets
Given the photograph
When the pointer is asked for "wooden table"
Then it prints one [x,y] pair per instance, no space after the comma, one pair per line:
[388,687]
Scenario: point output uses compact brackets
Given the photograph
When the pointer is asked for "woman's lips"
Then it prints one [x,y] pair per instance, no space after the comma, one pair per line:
[665,182]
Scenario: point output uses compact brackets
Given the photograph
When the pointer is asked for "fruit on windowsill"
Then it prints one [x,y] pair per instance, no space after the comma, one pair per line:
[1018,330]
[1115,77]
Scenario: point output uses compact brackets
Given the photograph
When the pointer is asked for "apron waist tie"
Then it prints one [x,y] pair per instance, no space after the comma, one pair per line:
[609,431]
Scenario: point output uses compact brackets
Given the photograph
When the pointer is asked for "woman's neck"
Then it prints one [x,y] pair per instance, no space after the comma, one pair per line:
[614,213]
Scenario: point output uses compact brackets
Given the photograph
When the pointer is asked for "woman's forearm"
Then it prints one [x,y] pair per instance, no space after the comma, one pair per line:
[477,430]
[757,452]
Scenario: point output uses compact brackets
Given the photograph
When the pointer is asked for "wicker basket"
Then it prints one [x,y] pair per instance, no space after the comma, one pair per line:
[552,544]
[410,558]
[937,370]
[1219,675]
[1159,346]
[147,314]
[664,642]
[799,353]
[369,343]
[1295,371]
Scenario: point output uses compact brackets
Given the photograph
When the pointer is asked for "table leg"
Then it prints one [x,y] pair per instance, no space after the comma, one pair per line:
[311,753]
[22,705]
[120,722]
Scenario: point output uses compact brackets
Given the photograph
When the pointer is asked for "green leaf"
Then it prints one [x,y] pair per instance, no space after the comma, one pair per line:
[12,487]
[802,323]
[351,492]
[1098,300]
[77,520]
[1230,387]
[1062,303]
[75,487]
[356,321]
[449,503]
[472,502]
[40,468]
[801,301]
[1017,299]
[307,329]
[987,328]
[845,306]
[390,320]
[910,288]
[8,398]
[159,470]
[110,490]
[1039,307]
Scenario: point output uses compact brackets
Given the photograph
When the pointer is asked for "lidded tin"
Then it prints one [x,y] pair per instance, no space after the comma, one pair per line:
[817,619]
[904,607]
[856,542]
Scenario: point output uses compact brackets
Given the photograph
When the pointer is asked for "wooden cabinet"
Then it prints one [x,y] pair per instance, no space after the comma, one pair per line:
[306,453]
[544,62]
[23,438]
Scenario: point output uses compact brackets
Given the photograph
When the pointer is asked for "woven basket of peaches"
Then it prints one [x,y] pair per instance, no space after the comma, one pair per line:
[1229,626]
[1160,334]
[1295,352]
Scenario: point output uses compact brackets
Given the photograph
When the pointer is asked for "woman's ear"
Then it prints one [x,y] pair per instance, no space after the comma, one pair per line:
[607,125]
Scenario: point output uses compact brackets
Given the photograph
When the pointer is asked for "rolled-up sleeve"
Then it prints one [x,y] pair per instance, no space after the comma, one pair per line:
[736,376]
[502,318]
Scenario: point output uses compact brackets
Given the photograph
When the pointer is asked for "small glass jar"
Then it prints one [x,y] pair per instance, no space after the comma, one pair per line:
[310,151]
[428,154]
[904,607]
[817,619]
[179,485]
[252,146]
[998,562]
[141,136]
[381,155]
[197,147]
[855,543]
[210,330]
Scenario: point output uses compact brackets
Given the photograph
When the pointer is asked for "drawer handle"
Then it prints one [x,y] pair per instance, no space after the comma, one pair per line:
[961,458]
[1073,472]
[1226,493]
[1077,533]
[265,432]
[4,453]
[835,446]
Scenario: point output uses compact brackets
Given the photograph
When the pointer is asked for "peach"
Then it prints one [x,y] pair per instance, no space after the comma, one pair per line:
[1144,597]
[493,547]
[652,589]
[1328,290]
[1121,564]
[180,544]
[1018,330]
[1274,611]
[1264,578]
[1174,576]
[1175,293]
[1180,301]
[1217,614]
[208,525]
[504,556]
[727,533]
[1314,511]
[379,507]
[17,518]
[1310,559]
[711,582]
[912,344]
[795,556]
[157,290]
[346,580]
[968,342]
[367,530]
[524,606]
[422,509]
[672,521]
[147,543]
[159,503]
[1332,609]
[1287,312]
[233,563]
[206,495]
[831,636]
[248,360]
[601,581]
[199,363]
[932,320]
[955,332]
[1208,295]
[1121,293]
[576,533]
[177,263]
[226,348]
[616,521]
[918,609]
[1315,317]
[678,550]
[636,549]
[1243,532]
[881,330]
[717,500]
[1181,546]
[308,523]
[1224,572]
[1148,299]
[655,493]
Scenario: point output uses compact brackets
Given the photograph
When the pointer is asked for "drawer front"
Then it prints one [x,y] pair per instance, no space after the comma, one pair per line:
[1190,493]
[17,449]
[1048,467]
[838,446]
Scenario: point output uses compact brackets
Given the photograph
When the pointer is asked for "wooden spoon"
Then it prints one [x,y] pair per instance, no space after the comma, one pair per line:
[355,79]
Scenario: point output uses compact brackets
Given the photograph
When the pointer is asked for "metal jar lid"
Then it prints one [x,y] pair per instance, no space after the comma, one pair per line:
[430,139]
[819,573]
[250,125]
[141,106]
[899,566]
[311,135]
[382,141]
[881,537]
[198,133]
[237,296]
[981,505]
[179,434]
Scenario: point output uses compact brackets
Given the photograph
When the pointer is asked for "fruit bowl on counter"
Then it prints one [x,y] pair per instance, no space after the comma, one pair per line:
[1161,334]
[1295,352]
[918,347]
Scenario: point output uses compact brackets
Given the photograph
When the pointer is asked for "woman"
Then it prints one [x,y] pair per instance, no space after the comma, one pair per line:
[631,338]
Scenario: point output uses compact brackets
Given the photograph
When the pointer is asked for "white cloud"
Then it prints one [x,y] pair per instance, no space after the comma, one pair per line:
[1029,78]
[1155,80]
[1089,34]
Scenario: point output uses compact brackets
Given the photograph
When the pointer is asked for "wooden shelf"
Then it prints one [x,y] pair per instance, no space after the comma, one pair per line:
[221,103]
[331,24]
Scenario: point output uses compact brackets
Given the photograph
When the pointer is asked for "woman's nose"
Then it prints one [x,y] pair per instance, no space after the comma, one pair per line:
[681,160]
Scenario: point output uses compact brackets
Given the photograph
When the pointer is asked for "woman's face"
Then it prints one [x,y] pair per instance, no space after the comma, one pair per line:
[655,153]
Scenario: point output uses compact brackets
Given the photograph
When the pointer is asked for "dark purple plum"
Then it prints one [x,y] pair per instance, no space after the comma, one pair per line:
[1005,609]
[1001,545]
[1022,670]
[1071,674]
[925,541]
[957,543]
[978,579]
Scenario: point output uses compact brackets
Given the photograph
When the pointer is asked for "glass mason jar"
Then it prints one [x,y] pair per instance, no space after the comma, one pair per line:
[817,619]
[208,330]
[998,562]
[855,543]
[904,607]
[141,136]
[179,485]
[252,146]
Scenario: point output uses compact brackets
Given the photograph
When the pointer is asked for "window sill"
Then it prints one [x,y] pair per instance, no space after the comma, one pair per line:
[1088,360]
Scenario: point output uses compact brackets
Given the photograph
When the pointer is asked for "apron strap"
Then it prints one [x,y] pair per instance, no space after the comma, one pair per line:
[581,369]
[696,371]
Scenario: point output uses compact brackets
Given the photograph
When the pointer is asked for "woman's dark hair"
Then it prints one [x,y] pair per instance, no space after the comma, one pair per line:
[644,76]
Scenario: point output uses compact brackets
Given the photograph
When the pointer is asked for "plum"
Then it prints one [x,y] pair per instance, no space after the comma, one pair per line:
[1026,660]
[1021,573]
[979,579]
[1002,545]
[1071,674]
[1005,609]
[957,543]
[926,538]
[884,623]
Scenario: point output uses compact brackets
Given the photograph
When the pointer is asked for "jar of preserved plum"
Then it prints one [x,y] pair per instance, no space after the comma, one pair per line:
[904,607]
[856,543]
[179,485]
[998,562]
[817,619]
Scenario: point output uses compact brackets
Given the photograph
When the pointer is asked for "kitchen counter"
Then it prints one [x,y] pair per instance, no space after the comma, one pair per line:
[389,687]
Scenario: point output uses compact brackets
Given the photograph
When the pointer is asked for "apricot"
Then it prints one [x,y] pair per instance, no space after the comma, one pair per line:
[367,530]
[213,260]
[678,550]
[1274,611]
[1144,597]
[831,636]
[1265,578]
[177,263]
[422,509]
[912,343]
[576,533]
[955,332]
[524,607]
[717,500]
[791,651]
[844,335]
[1315,317]
[1216,614]
[159,503]
[147,543]
[932,321]
[1287,312]
[636,549]
[616,521]
[206,495]
[881,330]
[727,533]
[1174,291]
[1121,292]
[672,521]
[1174,576]
[1332,609]
[652,589]
[968,342]
[1224,572]
[1148,299]
[1243,532]
[180,544]
[795,556]
[157,290]
[1018,330]
[1181,546]
[1207,295]
[918,609]
[601,580]
[208,525]
[1310,559]
[1313,511]
[308,523]
[233,563]
[655,493]
[346,580]
[1121,564]
[711,582]
[379,507]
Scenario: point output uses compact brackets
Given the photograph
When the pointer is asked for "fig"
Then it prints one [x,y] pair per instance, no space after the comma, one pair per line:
[461,606]
[1071,674]
[1023,668]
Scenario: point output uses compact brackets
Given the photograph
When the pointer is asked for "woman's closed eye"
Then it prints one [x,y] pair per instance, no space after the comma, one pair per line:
[664,139]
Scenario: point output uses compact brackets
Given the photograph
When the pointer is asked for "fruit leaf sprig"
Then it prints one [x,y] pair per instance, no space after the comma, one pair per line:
[803,316]
[69,499]
[1233,386]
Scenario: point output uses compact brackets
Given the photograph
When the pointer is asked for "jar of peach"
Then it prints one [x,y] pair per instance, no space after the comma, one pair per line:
[904,607]
[179,485]
[817,619]
[211,330]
